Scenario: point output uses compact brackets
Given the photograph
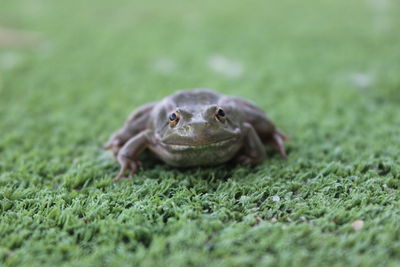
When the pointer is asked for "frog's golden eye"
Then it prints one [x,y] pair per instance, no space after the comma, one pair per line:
[173,116]
[220,114]
[173,119]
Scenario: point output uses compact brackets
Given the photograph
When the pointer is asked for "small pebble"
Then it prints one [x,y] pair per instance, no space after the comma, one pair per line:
[357,225]
[276,198]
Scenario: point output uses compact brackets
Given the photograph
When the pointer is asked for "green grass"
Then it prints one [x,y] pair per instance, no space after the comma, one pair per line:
[327,72]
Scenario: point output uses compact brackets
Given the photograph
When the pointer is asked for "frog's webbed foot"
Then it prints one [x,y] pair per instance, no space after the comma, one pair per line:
[127,164]
[128,155]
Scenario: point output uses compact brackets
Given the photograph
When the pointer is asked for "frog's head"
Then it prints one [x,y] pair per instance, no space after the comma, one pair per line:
[198,126]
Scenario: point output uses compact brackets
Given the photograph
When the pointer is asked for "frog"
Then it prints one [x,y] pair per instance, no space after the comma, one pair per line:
[194,128]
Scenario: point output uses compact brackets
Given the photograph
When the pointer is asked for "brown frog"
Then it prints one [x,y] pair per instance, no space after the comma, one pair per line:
[196,128]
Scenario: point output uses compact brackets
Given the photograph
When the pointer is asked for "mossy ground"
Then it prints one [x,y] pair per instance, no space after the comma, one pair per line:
[327,72]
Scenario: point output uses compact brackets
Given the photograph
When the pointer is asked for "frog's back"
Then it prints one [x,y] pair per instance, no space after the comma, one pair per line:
[196,97]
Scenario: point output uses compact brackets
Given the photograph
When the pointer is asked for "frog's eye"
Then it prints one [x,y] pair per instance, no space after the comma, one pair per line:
[173,116]
[220,114]
[173,119]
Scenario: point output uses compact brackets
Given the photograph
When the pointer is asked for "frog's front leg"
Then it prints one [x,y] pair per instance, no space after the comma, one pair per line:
[253,151]
[128,155]
[136,123]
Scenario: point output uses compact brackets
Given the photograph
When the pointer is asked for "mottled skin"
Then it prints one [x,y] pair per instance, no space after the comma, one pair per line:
[196,128]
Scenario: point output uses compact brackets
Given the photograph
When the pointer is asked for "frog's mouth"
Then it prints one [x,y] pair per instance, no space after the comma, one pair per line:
[214,145]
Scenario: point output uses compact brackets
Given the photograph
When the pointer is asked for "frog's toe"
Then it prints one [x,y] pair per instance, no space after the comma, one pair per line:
[278,144]
[134,166]
[277,141]
[127,164]
[121,174]
[114,145]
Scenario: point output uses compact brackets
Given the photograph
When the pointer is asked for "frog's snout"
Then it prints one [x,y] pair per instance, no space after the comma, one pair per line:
[199,126]
[195,133]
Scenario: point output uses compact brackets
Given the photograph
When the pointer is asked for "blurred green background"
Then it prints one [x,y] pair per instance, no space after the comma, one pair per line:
[327,72]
